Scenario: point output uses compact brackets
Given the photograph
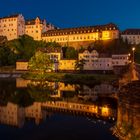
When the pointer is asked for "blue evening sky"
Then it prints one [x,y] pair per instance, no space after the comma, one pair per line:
[71,13]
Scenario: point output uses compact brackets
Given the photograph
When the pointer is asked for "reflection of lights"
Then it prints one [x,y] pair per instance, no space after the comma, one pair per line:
[105,111]
[94,121]
[133,49]
[113,118]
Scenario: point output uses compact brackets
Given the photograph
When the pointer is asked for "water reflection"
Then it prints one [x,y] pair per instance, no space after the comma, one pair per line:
[22,101]
[34,100]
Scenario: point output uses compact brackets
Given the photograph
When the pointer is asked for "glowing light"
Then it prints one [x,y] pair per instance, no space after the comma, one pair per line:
[133,49]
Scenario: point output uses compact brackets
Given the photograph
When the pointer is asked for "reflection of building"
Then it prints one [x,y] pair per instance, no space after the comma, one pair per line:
[66,87]
[102,111]
[59,87]
[131,35]
[35,112]
[82,36]
[22,83]
[12,114]
[12,26]
[104,88]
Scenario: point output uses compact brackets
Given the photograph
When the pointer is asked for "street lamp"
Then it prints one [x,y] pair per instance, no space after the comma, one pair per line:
[133,49]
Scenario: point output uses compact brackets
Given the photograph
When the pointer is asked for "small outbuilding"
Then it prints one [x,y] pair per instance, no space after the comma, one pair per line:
[22,65]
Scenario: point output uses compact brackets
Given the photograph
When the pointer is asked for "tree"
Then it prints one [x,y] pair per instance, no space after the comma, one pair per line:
[53,44]
[25,46]
[79,65]
[40,61]
[71,53]
[7,57]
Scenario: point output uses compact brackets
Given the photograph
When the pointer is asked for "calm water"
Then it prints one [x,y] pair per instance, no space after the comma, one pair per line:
[50,111]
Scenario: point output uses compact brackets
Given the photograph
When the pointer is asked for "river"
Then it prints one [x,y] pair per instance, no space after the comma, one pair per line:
[54,110]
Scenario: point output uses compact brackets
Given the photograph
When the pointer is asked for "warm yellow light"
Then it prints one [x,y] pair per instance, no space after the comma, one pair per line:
[133,49]
[105,111]
[129,54]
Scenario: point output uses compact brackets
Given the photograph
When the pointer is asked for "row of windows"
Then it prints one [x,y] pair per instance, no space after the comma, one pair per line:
[88,56]
[113,63]
[96,65]
[12,34]
[32,26]
[73,64]
[119,57]
[75,106]
[5,20]
[5,26]
[74,38]
[8,30]
[33,31]
[133,36]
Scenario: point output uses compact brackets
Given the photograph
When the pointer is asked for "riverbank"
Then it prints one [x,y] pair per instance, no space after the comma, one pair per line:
[73,78]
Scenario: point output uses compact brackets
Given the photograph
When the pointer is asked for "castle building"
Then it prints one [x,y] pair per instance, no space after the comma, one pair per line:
[132,36]
[12,26]
[35,28]
[82,36]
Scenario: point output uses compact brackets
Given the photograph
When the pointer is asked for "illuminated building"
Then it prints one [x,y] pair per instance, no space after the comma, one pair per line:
[54,54]
[95,61]
[132,36]
[12,26]
[34,111]
[22,65]
[66,65]
[35,28]
[82,36]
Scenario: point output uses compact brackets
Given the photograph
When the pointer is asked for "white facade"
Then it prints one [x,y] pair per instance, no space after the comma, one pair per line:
[132,36]
[12,26]
[89,58]
[103,63]
[94,62]
[120,60]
